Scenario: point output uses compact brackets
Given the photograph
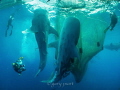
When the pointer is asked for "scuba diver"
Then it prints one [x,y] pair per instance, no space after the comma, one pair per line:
[114,21]
[10,24]
[18,66]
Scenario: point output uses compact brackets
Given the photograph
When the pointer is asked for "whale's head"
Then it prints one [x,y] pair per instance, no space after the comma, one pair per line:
[40,11]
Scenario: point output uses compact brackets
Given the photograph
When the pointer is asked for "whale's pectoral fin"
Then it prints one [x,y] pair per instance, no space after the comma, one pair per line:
[54,45]
[51,78]
[30,30]
[33,29]
[53,31]
[26,31]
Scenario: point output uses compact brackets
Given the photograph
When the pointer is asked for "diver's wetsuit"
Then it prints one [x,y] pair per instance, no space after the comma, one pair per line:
[114,21]
[10,24]
[19,68]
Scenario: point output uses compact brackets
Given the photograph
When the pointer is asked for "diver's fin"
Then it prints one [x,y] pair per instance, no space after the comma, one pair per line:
[55,45]
[53,31]
[37,73]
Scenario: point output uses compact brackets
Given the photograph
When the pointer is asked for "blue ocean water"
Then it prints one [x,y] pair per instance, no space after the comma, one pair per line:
[103,71]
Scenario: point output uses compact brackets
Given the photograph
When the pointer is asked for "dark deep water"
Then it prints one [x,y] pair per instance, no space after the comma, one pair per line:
[103,71]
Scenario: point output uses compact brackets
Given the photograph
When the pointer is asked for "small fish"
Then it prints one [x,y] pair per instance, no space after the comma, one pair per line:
[113,46]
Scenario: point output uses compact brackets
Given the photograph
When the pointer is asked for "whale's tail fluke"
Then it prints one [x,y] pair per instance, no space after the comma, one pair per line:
[37,73]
